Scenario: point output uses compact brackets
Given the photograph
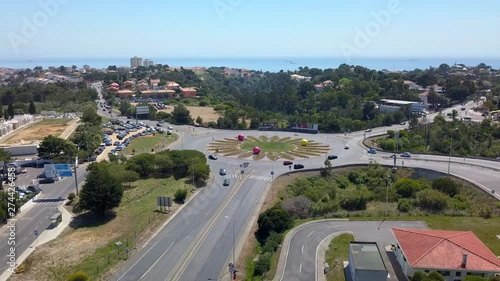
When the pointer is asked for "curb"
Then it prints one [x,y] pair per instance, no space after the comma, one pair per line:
[280,270]
[321,252]
[45,237]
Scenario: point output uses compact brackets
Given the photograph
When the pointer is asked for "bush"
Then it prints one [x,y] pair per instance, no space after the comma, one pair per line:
[180,195]
[273,242]
[79,276]
[432,199]
[263,264]
[354,200]
[405,205]
[71,196]
[298,206]
[273,220]
[407,188]
[446,185]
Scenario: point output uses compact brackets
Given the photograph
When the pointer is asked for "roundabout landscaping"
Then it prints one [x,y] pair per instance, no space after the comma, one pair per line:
[263,147]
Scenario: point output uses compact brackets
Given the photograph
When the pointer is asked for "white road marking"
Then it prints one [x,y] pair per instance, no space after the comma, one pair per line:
[302,249]
[300,268]
[138,260]
[310,233]
[157,261]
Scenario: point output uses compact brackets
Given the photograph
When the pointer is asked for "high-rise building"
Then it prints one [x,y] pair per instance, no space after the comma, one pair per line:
[148,62]
[135,62]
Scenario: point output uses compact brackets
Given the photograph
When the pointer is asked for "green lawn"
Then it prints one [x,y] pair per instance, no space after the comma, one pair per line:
[335,256]
[135,213]
[53,121]
[267,146]
[144,144]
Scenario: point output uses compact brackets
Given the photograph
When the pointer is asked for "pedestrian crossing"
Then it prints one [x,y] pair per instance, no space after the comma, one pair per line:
[260,178]
[48,203]
[232,176]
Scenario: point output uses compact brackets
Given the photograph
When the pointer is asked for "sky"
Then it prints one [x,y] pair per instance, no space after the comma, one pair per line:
[35,29]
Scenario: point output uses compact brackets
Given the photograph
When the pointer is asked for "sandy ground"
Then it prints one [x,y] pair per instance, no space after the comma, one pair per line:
[208,114]
[37,132]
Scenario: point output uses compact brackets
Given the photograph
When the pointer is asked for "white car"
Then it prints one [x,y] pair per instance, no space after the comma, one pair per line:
[346,146]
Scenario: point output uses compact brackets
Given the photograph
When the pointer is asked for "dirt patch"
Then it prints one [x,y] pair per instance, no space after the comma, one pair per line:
[39,130]
[208,114]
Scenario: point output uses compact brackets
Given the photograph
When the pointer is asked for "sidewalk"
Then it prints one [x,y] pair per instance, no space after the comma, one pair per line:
[46,236]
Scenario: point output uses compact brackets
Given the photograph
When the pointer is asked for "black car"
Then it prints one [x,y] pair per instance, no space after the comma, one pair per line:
[34,188]
[226,182]
[298,166]
[222,172]
[46,180]
[212,157]
[331,157]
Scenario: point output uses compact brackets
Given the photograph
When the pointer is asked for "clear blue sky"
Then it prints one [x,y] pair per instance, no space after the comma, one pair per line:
[248,28]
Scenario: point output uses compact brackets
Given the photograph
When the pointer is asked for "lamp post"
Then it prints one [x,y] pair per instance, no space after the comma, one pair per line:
[449,158]
[232,222]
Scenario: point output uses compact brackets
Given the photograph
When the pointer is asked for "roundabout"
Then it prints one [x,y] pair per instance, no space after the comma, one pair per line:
[268,148]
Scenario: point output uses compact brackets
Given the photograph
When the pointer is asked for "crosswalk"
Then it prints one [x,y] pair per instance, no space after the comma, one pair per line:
[48,203]
[253,177]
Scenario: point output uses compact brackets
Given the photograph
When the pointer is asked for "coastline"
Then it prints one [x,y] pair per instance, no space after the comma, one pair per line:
[263,64]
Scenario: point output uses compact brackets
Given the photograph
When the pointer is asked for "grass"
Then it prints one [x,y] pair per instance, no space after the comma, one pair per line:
[53,121]
[266,146]
[146,143]
[136,215]
[338,251]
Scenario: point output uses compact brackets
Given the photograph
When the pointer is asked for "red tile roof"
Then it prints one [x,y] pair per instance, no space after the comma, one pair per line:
[443,249]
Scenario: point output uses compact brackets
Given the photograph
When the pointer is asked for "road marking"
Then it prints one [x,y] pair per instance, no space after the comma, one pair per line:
[157,260]
[302,249]
[310,233]
[300,268]
[138,260]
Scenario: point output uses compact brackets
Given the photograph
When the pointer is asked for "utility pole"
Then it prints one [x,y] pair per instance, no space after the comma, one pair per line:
[449,158]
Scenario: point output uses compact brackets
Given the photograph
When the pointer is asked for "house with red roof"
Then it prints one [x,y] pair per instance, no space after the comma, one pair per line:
[454,254]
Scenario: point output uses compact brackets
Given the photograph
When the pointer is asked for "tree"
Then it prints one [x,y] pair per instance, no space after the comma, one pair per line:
[31,108]
[79,276]
[254,123]
[10,110]
[125,107]
[407,188]
[91,116]
[56,149]
[200,170]
[431,199]
[446,185]
[6,114]
[273,220]
[5,156]
[181,115]
[102,190]
[180,195]
[199,121]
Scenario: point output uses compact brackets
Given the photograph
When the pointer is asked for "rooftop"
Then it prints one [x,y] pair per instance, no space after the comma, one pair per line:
[401,102]
[366,255]
[443,249]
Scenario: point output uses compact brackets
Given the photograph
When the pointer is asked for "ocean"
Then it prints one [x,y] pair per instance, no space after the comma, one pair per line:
[263,64]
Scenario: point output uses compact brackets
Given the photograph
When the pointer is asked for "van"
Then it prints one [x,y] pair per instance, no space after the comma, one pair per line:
[170,128]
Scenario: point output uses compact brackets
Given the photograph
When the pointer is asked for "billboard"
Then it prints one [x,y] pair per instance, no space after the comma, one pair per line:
[141,110]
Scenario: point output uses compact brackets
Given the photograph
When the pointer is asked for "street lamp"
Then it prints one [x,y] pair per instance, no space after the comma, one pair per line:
[449,157]
[232,221]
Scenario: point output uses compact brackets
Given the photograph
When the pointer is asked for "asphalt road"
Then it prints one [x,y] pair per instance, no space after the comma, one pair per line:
[37,218]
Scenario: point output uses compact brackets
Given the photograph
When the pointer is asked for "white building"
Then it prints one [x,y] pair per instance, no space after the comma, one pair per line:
[454,254]
[391,106]
[135,62]
[366,263]
[148,63]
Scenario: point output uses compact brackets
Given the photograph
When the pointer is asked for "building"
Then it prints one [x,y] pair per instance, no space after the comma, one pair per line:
[319,87]
[366,263]
[391,106]
[300,78]
[188,92]
[171,85]
[154,84]
[135,62]
[454,254]
[148,63]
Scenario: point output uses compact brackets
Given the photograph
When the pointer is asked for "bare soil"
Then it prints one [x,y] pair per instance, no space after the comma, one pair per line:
[39,130]
[208,114]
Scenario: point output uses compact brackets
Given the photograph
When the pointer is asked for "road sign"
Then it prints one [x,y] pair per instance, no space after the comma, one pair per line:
[65,173]
[61,167]
[142,110]
[36,232]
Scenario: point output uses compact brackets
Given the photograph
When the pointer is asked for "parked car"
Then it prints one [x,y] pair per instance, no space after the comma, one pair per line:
[212,157]
[222,172]
[298,166]
[46,180]
[372,151]
[406,154]
[117,143]
[226,182]
[332,157]
[23,170]
[34,188]
[287,163]
[346,146]
[368,130]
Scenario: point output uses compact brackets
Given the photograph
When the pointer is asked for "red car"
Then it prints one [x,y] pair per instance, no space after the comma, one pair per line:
[287,163]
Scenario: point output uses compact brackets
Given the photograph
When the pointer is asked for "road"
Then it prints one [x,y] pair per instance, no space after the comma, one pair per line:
[37,218]
[197,243]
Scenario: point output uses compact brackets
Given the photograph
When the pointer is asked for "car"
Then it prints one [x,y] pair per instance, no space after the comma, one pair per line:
[46,180]
[158,125]
[402,123]
[372,151]
[406,154]
[222,172]
[287,163]
[170,128]
[346,146]
[23,170]
[226,182]
[212,157]
[368,130]
[298,166]
[34,188]
[332,157]
[117,143]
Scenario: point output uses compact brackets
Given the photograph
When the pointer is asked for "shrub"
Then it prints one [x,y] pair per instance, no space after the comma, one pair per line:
[407,188]
[71,196]
[79,276]
[273,242]
[297,207]
[354,200]
[405,205]
[273,220]
[263,264]
[180,195]
[446,185]
[432,199]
